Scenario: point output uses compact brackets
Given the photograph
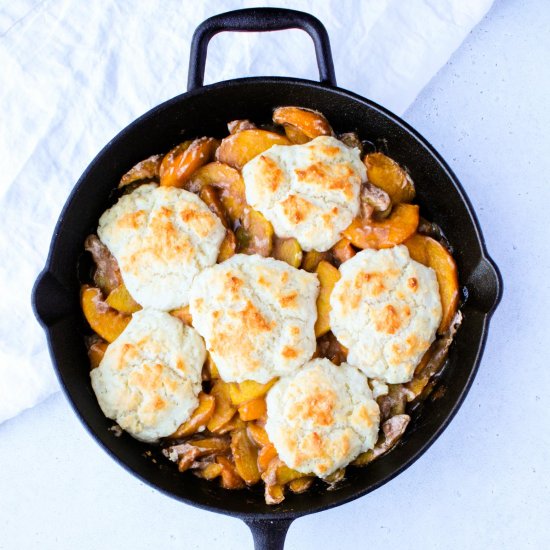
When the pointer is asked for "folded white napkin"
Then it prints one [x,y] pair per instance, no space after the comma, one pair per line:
[75,73]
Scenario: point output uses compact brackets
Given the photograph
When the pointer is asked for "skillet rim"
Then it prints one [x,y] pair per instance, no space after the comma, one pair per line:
[422,142]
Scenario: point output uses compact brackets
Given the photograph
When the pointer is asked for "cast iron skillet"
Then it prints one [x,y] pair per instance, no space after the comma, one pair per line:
[205,110]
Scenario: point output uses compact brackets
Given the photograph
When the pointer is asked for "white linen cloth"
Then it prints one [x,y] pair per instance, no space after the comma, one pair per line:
[73,73]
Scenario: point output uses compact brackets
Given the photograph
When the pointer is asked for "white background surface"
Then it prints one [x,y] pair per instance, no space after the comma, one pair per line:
[485,482]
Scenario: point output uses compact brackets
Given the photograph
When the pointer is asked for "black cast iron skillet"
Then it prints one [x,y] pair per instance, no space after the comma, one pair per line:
[205,110]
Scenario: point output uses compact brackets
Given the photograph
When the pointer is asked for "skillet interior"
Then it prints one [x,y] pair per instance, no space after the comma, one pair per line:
[205,112]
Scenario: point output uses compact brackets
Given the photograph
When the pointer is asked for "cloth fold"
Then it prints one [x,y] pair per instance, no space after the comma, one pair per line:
[75,73]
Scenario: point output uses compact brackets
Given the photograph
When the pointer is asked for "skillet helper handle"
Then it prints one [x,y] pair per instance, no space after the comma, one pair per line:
[269,534]
[259,20]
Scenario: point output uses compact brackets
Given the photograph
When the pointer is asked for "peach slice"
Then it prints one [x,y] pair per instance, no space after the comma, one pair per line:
[265,456]
[230,479]
[300,485]
[96,352]
[121,300]
[209,445]
[396,228]
[147,169]
[201,415]
[245,455]
[237,149]
[431,253]
[255,235]
[168,159]
[312,258]
[178,165]
[224,410]
[210,471]
[104,320]
[310,123]
[234,424]
[328,276]
[342,251]
[252,410]
[227,181]
[385,173]
[228,247]
[241,392]
[286,475]
[258,434]
[297,137]
[274,494]
[210,197]
[288,250]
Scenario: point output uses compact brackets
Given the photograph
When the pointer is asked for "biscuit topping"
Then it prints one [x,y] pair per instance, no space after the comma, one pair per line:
[309,192]
[385,310]
[162,237]
[321,417]
[257,316]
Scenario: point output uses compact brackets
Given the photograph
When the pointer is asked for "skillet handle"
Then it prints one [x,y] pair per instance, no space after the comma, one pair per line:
[259,20]
[484,285]
[269,534]
[51,300]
